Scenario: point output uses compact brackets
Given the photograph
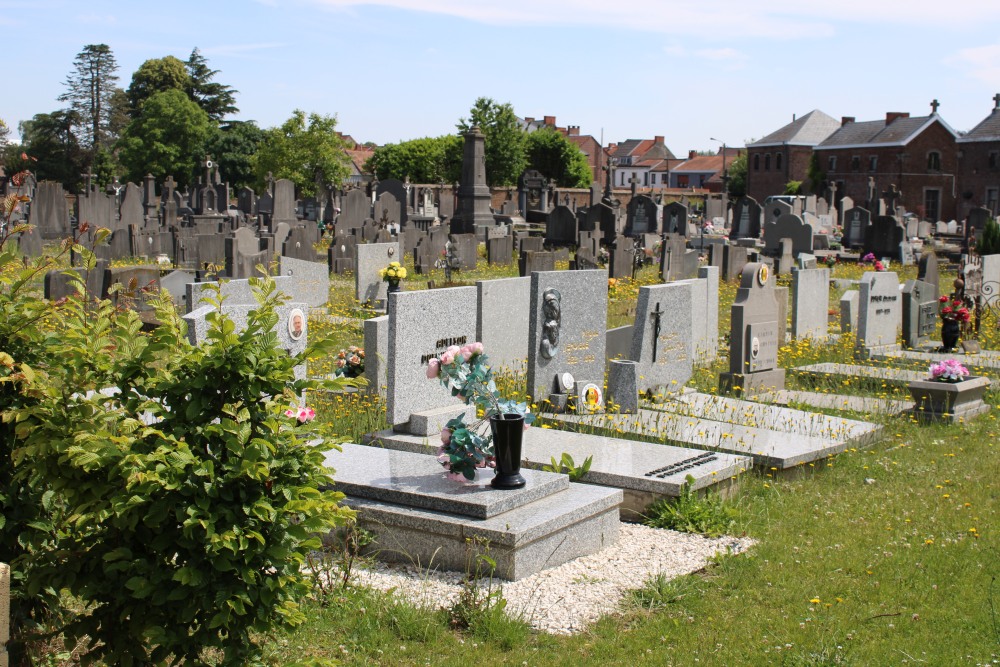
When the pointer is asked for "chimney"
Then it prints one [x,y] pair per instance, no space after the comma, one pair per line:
[550,121]
[692,155]
[573,130]
[893,116]
[612,147]
[529,119]
[658,139]
[846,120]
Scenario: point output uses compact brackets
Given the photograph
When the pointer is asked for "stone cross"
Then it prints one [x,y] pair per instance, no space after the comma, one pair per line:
[934,106]
[634,182]
[207,164]
[891,195]
[608,168]
[87,179]
[996,101]
[169,186]
[656,315]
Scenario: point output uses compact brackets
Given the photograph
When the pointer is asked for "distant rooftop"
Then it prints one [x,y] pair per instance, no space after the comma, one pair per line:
[809,130]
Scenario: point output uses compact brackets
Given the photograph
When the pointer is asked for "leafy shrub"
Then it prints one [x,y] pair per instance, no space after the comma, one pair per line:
[690,513]
[989,244]
[184,500]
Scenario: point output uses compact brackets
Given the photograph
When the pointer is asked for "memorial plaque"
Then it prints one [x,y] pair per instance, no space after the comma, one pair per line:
[762,346]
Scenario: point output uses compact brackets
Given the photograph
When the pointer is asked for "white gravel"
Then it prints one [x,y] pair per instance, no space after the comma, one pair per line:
[567,598]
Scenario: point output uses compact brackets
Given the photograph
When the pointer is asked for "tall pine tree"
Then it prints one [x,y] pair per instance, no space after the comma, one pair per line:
[216,99]
[89,91]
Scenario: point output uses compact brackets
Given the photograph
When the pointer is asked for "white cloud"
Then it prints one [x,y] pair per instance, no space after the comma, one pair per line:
[715,19]
[980,62]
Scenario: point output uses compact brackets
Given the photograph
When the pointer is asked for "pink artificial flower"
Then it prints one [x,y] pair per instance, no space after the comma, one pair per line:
[445,436]
[447,357]
[306,415]
[290,413]
[433,367]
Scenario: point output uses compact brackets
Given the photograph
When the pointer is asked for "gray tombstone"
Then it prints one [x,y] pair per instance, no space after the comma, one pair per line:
[502,320]
[398,191]
[927,271]
[50,211]
[920,313]
[675,219]
[560,226]
[754,335]
[357,207]
[879,313]
[775,210]
[284,201]
[856,221]
[883,236]
[788,227]
[131,211]
[376,332]
[663,337]
[849,311]
[372,258]
[746,219]
[567,328]
[623,387]
[810,303]
[422,325]
[641,216]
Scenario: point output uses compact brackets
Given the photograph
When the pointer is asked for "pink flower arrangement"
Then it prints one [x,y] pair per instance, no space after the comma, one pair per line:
[949,370]
[304,415]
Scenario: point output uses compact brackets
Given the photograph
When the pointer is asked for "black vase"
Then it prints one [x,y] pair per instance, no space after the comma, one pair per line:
[508,431]
[394,287]
[950,331]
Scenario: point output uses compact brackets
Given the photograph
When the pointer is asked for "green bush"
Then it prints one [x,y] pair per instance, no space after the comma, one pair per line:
[184,503]
[989,244]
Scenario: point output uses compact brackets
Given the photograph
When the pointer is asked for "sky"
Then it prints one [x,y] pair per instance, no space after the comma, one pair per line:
[698,72]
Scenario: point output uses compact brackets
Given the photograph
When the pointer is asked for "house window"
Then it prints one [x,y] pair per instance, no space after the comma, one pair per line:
[855,163]
[756,162]
[933,161]
[992,196]
[767,162]
[833,163]
[994,159]
[645,178]
[652,179]
[932,203]
[873,163]
[777,161]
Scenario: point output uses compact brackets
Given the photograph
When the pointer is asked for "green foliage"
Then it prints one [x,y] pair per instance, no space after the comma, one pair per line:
[793,188]
[166,138]
[233,146]
[815,174]
[305,150]
[154,76]
[184,504]
[51,140]
[89,91]
[989,244]
[426,160]
[557,158]
[568,466]
[216,99]
[738,176]
[690,513]
[661,592]
[505,140]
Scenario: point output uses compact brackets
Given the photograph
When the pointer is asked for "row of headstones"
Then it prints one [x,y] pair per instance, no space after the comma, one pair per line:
[554,319]
[643,216]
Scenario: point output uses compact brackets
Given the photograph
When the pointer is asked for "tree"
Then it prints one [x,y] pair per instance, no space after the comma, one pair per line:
[989,244]
[155,76]
[233,146]
[815,174]
[738,176]
[216,99]
[89,90]
[4,134]
[50,139]
[426,160]
[167,137]
[306,150]
[557,158]
[505,159]
[793,187]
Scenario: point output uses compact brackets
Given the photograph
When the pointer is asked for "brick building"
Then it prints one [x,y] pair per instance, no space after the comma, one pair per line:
[979,164]
[587,144]
[918,155]
[784,155]
[645,160]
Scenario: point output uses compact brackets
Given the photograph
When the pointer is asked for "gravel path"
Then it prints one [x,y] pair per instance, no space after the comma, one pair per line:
[567,598]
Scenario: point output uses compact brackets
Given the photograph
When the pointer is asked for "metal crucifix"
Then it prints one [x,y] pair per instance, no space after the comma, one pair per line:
[656,315]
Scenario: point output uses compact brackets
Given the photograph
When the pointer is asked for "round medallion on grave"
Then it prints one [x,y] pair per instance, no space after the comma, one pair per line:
[592,395]
[755,347]
[566,382]
[762,274]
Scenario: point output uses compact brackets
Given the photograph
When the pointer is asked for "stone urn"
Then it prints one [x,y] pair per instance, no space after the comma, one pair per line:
[935,400]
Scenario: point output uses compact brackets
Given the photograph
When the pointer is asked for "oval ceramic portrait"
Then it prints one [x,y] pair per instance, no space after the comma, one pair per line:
[296,324]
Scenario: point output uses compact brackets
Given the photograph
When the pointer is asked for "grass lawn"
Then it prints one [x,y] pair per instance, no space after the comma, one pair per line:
[882,555]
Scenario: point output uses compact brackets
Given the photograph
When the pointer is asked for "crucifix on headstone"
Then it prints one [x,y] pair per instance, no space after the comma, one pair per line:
[655,316]
[891,195]
[207,164]
[609,169]
[634,182]
[88,179]
[270,183]
[934,106]
[996,101]
[872,201]
[168,188]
